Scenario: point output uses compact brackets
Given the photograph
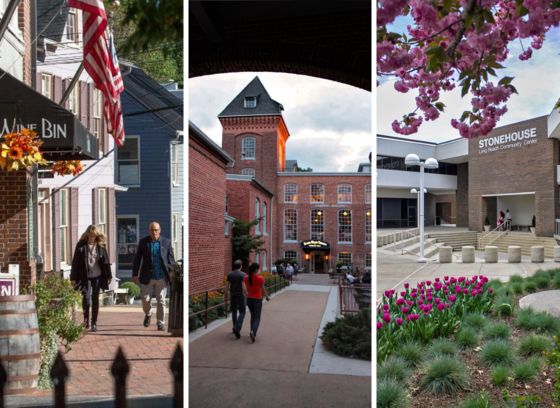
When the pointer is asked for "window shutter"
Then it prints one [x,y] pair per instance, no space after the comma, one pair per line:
[90,106]
[82,92]
[57,92]
[65,85]
[104,133]
[56,221]
[111,228]
[39,85]
[95,208]
[74,205]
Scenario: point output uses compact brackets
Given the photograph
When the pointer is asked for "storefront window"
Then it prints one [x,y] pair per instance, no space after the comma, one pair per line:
[290,225]
[127,228]
[317,225]
[345,225]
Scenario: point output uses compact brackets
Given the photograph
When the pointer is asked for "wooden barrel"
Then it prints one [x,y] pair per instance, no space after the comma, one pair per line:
[20,348]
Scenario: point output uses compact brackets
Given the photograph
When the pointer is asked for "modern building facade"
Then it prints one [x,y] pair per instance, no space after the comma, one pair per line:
[514,168]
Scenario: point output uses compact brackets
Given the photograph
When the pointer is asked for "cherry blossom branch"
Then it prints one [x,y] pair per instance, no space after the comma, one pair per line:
[469,8]
[436,34]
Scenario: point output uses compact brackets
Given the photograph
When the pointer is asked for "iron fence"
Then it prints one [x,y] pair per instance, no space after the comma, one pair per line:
[176,298]
[353,298]
[120,369]
[274,282]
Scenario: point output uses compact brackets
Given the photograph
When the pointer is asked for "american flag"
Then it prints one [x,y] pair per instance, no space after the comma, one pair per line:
[101,64]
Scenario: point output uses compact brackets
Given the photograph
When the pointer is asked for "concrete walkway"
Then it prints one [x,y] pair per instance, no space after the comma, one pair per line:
[274,371]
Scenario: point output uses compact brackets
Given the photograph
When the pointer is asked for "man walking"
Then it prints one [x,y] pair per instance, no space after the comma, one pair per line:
[238,294]
[154,257]
[508,219]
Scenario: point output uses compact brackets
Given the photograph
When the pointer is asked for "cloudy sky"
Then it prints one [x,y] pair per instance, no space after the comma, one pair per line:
[536,81]
[329,123]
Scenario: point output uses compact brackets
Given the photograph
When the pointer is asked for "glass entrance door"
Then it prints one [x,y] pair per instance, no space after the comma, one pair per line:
[319,263]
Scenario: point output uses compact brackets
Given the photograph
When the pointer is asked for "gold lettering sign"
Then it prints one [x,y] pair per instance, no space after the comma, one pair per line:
[315,244]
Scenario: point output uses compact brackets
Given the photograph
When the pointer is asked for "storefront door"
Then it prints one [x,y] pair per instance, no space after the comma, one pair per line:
[318,261]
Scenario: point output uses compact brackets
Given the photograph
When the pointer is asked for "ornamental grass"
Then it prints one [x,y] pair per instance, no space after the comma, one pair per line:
[533,345]
[395,368]
[515,287]
[412,352]
[497,331]
[516,278]
[391,394]
[500,374]
[527,371]
[497,352]
[475,320]
[445,375]
[467,337]
[482,400]
[443,347]
[530,286]
[528,319]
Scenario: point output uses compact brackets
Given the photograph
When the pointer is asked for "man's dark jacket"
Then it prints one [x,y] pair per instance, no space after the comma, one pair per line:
[143,259]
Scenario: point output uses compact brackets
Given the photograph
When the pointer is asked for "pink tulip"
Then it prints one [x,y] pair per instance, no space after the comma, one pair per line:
[379,325]
[446,292]
[406,285]
[436,301]
[387,318]
[447,305]
[452,298]
[446,278]
[385,307]
[420,301]
[490,290]
[400,301]
[405,310]
[399,321]
[388,293]
[440,307]
[479,291]
[465,291]
[413,295]
[428,283]
[403,294]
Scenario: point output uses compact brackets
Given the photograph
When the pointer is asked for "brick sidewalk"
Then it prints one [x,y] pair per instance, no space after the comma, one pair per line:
[147,350]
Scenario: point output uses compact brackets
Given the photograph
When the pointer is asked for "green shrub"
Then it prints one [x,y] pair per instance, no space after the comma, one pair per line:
[516,288]
[350,335]
[391,394]
[532,345]
[556,280]
[467,337]
[482,400]
[395,368]
[497,331]
[542,274]
[500,374]
[553,272]
[133,289]
[528,371]
[495,284]
[540,322]
[497,352]
[526,319]
[543,282]
[475,320]
[443,346]
[445,375]
[516,278]
[412,352]
[530,286]
[504,305]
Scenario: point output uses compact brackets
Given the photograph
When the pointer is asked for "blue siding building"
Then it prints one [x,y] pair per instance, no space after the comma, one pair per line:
[150,164]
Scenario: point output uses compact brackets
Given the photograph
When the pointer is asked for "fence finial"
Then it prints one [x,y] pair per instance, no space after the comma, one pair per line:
[59,373]
[176,366]
[120,370]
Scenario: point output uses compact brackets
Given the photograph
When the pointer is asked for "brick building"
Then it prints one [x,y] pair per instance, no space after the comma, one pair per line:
[514,168]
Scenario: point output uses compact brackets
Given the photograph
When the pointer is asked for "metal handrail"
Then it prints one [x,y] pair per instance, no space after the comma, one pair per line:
[505,231]
[402,243]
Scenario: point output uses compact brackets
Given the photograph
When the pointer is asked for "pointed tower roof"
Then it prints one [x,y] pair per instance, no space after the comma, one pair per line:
[254,100]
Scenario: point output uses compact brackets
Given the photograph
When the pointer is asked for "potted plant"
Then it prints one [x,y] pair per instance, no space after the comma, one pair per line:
[339,264]
[133,291]
[533,225]
[487,224]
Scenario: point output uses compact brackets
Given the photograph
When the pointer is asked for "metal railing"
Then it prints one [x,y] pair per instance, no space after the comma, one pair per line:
[279,280]
[120,369]
[502,231]
[403,250]
[176,301]
[353,298]
[449,216]
[557,229]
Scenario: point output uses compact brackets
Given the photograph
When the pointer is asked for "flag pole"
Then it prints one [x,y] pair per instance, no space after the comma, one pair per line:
[8,14]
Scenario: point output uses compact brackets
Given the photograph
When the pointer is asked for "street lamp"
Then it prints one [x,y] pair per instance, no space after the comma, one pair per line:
[414,160]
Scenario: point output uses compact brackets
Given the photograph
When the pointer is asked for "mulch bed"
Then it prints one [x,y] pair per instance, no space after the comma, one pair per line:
[481,378]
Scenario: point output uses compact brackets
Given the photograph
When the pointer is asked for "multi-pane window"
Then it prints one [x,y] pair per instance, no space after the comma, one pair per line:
[257,215]
[264,219]
[72,32]
[102,210]
[290,193]
[368,226]
[227,227]
[317,225]
[227,204]
[65,254]
[317,193]
[344,226]
[264,268]
[129,161]
[290,225]
[176,233]
[47,86]
[74,99]
[175,163]
[257,257]
[248,147]
[248,172]
[346,258]
[368,193]
[368,259]
[290,255]
[250,102]
[345,193]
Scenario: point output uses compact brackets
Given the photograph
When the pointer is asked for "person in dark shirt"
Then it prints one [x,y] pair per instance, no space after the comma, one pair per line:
[280,269]
[235,280]
[366,278]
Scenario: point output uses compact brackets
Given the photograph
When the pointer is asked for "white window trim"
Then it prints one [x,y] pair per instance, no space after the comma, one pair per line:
[254,148]
[284,225]
[99,202]
[370,193]
[351,192]
[264,268]
[257,257]
[139,164]
[371,226]
[254,98]
[175,163]
[257,214]
[175,228]
[264,219]
[137,217]
[227,227]
[63,263]
[50,88]
[248,168]
[338,228]
[311,193]
[296,193]
[311,223]
[371,256]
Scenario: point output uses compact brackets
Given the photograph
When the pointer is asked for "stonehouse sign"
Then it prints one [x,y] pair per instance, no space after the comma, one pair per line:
[508,141]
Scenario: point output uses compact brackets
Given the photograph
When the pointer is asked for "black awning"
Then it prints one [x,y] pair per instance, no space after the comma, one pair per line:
[314,245]
[63,135]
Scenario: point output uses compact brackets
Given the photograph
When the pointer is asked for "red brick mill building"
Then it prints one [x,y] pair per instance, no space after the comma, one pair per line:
[316,218]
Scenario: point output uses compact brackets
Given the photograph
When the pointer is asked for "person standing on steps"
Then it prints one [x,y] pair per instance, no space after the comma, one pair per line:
[508,219]
[154,257]
[91,272]
[255,286]
[236,279]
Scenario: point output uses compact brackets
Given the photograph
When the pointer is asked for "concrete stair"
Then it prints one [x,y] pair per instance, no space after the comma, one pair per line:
[457,240]
[413,245]
[524,240]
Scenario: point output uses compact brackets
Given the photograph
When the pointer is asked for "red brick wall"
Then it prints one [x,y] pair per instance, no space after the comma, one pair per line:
[24,20]
[207,195]
[449,207]
[14,247]
[358,248]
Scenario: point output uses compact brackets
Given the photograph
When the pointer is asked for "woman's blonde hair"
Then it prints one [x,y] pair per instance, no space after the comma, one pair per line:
[99,236]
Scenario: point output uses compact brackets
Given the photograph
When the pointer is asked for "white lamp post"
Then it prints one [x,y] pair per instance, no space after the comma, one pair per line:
[414,160]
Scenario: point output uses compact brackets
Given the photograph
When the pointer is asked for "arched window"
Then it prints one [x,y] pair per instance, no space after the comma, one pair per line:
[345,193]
[248,146]
[345,225]
[290,225]
[317,193]
[264,219]
[290,193]
[318,224]
[248,172]
[346,258]
[368,226]
[257,215]
[368,193]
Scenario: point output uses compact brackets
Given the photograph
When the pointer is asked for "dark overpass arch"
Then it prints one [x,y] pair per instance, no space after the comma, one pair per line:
[327,39]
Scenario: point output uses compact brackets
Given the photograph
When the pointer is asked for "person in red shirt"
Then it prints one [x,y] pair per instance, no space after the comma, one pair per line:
[255,287]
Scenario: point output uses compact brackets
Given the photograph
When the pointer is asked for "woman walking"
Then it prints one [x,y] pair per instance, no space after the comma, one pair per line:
[501,220]
[255,285]
[91,272]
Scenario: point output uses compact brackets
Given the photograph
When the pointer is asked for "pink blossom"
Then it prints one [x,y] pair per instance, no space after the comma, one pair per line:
[405,310]
[385,307]
[379,325]
[440,307]
[399,321]
[406,285]
[452,298]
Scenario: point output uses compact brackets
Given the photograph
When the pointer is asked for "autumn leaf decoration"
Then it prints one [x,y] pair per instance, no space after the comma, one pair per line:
[20,150]
[68,167]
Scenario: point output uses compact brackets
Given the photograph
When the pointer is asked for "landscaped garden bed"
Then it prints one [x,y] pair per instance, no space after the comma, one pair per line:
[464,342]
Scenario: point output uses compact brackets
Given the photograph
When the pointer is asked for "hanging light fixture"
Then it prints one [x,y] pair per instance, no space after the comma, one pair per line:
[320,213]
[345,213]
[368,213]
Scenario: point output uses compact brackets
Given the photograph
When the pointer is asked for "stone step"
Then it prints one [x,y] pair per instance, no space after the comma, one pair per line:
[428,243]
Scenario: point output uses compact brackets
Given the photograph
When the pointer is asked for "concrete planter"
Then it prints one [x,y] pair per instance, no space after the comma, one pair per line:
[557,253]
[446,254]
[491,254]
[537,254]
[514,254]
[468,254]
[487,228]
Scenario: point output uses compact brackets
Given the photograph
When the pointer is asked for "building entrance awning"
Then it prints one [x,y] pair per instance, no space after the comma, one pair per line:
[63,135]
[313,245]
